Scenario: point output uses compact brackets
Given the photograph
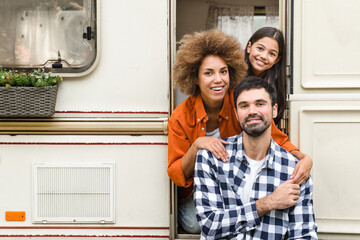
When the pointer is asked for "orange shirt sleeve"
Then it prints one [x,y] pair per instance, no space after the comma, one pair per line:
[178,145]
[281,138]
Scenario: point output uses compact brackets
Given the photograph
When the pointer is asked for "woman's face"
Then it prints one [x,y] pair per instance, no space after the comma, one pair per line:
[263,54]
[213,80]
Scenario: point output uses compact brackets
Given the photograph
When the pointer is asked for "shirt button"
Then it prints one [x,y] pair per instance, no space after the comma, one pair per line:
[227,117]
[203,129]
[198,119]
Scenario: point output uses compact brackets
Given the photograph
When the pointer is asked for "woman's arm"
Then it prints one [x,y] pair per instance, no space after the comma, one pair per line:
[182,154]
[213,144]
[303,168]
[178,145]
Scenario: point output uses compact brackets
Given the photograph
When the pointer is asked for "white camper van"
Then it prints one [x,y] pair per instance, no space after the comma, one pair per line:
[97,167]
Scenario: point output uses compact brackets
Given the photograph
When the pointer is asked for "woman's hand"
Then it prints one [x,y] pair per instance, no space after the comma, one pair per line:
[303,167]
[214,145]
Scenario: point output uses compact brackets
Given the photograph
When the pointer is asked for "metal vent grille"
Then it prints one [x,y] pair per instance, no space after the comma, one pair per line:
[73,192]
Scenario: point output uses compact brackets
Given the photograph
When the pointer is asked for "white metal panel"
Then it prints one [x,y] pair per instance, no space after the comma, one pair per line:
[328,131]
[133,70]
[142,185]
[71,192]
[325,109]
[326,45]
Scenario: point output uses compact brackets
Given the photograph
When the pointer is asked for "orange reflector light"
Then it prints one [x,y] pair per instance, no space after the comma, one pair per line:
[14,216]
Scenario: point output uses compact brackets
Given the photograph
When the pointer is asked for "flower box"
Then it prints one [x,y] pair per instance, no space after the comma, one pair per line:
[27,101]
[27,94]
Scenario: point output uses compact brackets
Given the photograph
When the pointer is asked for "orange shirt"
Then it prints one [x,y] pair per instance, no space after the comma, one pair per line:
[188,122]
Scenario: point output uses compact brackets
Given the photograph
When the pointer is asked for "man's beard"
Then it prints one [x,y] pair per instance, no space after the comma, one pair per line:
[255,130]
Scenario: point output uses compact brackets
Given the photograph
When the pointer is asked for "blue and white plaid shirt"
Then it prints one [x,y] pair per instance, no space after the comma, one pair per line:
[219,187]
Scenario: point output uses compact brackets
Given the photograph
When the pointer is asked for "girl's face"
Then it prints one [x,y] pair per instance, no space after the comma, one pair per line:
[263,54]
[213,80]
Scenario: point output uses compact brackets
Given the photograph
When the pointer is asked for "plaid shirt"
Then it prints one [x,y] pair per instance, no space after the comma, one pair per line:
[219,185]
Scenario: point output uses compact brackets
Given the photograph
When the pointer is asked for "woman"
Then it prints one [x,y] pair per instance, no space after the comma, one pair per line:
[208,66]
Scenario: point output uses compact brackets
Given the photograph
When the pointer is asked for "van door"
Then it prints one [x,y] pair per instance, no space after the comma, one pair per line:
[325,108]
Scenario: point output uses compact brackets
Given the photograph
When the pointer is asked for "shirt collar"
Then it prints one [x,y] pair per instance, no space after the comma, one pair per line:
[226,108]
[269,159]
[200,109]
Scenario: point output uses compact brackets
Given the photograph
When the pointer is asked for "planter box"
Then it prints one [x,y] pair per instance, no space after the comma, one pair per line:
[27,101]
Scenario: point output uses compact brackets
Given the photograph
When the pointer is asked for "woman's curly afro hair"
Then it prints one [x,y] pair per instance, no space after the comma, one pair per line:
[195,47]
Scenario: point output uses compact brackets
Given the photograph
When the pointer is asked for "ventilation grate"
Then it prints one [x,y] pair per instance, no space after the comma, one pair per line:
[73,192]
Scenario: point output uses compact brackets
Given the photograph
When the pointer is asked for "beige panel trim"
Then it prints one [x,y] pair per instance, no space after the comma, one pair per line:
[282,16]
[324,97]
[96,126]
[308,117]
[313,73]
[348,226]
[306,121]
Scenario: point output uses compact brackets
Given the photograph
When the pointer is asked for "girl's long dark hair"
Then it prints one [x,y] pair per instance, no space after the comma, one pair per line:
[276,75]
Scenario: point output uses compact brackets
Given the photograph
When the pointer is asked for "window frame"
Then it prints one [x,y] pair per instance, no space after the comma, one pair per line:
[89,62]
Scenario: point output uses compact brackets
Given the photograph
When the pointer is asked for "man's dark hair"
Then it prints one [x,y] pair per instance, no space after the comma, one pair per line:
[253,82]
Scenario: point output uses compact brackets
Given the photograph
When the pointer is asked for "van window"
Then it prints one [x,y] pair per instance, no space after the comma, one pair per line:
[55,35]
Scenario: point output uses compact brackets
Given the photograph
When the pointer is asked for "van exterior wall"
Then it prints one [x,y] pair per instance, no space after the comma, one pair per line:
[141,182]
[325,47]
[133,70]
[130,84]
[325,109]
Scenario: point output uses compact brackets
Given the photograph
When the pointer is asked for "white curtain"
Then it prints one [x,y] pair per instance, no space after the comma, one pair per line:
[272,16]
[233,20]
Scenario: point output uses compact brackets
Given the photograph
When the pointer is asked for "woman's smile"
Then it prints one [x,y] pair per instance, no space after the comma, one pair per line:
[213,80]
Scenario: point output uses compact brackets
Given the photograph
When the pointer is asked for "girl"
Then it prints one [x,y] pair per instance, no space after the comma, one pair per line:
[208,66]
[265,57]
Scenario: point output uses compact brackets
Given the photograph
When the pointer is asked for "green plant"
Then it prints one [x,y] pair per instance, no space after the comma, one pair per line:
[31,78]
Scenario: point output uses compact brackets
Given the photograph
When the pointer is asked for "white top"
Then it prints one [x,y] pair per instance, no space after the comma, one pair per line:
[215,133]
[255,168]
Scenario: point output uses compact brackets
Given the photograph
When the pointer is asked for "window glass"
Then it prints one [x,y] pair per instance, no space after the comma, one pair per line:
[54,34]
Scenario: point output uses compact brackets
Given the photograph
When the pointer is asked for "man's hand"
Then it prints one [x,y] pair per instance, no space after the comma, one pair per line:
[284,196]
[303,167]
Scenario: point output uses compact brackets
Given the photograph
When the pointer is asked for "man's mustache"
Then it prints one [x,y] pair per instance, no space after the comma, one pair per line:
[254,116]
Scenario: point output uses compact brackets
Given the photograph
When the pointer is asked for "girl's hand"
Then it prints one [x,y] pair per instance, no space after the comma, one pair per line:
[214,145]
[303,167]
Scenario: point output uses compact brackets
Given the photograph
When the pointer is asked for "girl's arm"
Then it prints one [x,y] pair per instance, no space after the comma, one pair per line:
[282,139]
[302,169]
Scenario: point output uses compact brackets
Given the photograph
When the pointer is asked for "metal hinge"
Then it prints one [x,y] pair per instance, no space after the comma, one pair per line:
[288,71]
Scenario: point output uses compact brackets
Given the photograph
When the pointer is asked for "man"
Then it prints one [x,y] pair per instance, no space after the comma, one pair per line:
[251,196]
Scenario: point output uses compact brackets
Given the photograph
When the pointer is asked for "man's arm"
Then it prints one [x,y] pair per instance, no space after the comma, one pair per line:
[284,196]
[216,221]
[301,216]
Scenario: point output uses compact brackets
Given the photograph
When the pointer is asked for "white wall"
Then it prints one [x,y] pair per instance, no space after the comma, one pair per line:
[325,109]
[133,72]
